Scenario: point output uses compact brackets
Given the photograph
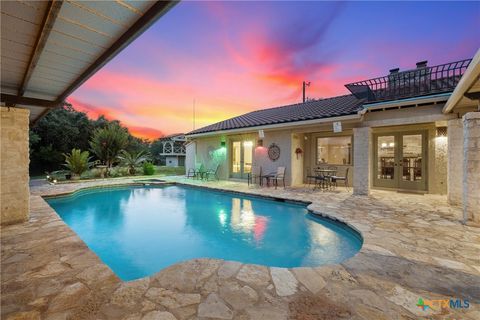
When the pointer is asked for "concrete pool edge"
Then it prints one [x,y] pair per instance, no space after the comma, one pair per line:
[48,228]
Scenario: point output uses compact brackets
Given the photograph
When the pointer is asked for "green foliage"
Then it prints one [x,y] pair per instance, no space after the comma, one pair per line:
[64,129]
[77,162]
[107,142]
[156,147]
[119,172]
[148,168]
[133,159]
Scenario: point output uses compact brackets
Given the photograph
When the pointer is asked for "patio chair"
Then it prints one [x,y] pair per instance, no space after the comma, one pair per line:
[213,172]
[343,178]
[313,177]
[279,175]
[255,174]
[195,172]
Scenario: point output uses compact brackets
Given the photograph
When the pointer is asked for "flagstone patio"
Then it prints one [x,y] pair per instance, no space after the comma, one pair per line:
[414,247]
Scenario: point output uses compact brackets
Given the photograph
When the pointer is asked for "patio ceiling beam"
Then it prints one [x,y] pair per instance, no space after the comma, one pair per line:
[12,100]
[53,8]
[143,23]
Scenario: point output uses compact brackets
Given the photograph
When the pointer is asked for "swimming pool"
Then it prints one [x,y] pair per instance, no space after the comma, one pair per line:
[137,231]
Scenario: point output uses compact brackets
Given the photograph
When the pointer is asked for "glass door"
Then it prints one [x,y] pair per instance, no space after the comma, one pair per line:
[400,160]
[413,161]
[242,158]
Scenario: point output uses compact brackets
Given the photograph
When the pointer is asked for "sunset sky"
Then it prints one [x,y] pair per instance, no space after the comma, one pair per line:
[234,57]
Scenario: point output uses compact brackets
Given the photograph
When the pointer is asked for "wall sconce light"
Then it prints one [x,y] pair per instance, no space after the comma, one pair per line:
[441,131]
[223,143]
[260,143]
[261,134]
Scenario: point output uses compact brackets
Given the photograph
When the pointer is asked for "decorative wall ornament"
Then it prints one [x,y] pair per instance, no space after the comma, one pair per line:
[273,152]
[298,152]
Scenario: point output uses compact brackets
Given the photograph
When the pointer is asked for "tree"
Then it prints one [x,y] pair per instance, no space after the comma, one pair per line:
[156,147]
[77,162]
[107,142]
[132,160]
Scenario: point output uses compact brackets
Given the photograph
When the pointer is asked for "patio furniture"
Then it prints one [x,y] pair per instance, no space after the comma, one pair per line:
[275,176]
[213,172]
[255,174]
[195,172]
[314,177]
[325,176]
[343,178]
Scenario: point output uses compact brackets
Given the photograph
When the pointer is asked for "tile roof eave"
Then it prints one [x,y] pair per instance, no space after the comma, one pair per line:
[348,116]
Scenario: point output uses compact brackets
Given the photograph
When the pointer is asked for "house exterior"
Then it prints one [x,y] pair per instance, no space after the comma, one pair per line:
[173,147]
[399,132]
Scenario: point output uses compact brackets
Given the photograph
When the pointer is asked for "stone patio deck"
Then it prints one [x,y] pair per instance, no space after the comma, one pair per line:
[414,247]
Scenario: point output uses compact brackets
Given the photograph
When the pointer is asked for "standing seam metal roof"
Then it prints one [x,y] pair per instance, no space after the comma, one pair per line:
[316,109]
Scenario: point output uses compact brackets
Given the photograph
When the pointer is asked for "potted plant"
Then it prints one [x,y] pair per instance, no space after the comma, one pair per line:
[77,162]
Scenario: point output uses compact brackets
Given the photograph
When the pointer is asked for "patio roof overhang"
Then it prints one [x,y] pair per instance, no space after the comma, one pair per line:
[468,89]
[278,126]
[50,48]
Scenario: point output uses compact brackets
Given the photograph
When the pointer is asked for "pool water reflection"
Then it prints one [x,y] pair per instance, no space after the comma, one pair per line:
[138,231]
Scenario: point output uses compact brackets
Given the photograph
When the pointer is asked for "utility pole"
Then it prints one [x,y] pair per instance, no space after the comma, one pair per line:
[305,84]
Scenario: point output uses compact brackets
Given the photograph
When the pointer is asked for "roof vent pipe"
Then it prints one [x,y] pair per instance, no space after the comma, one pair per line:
[422,64]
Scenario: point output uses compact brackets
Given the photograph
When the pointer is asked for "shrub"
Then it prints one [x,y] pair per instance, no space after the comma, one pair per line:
[132,160]
[119,172]
[148,168]
[77,162]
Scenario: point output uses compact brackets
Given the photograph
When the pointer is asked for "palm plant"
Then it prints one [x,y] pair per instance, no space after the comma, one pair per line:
[77,162]
[132,160]
[107,143]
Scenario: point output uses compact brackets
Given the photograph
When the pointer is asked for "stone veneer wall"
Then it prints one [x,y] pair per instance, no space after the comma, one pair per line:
[455,161]
[14,161]
[362,153]
[471,166]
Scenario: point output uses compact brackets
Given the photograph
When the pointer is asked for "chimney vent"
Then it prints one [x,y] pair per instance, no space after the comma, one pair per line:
[396,70]
[422,64]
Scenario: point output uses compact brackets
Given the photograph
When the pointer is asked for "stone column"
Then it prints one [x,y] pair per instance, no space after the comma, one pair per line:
[362,163]
[14,160]
[455,162]
[471,167]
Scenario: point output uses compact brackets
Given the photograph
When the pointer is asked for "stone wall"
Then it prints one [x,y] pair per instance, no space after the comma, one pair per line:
[471,167]
[455,161]
[14,161]
[362,152]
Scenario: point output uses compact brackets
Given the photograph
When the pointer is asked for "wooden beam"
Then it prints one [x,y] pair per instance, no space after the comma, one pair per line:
[157,10]
[11,100]
[51,13]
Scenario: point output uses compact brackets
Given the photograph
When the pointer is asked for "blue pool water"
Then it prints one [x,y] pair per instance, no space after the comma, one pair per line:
[137,231]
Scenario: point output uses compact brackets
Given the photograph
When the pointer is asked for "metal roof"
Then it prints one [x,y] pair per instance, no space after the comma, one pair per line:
[49,48]
[311,110]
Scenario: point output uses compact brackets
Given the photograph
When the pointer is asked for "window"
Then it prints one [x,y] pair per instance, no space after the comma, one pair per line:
[334,150]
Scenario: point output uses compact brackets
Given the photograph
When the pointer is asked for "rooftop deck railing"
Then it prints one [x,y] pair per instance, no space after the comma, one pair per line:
[411,83]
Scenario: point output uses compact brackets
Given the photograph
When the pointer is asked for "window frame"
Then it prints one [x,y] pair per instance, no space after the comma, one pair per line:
[317,160]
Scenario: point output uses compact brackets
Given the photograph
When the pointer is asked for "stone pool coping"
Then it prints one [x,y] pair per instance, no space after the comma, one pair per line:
[49,272]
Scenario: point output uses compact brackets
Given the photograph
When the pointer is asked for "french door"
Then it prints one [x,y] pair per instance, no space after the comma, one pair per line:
[241,158]
[400,160]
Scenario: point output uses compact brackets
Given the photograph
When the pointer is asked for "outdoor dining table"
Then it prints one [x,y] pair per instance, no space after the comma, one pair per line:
[327,174]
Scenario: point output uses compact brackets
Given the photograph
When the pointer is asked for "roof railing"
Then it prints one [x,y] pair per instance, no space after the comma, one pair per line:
[411,83]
